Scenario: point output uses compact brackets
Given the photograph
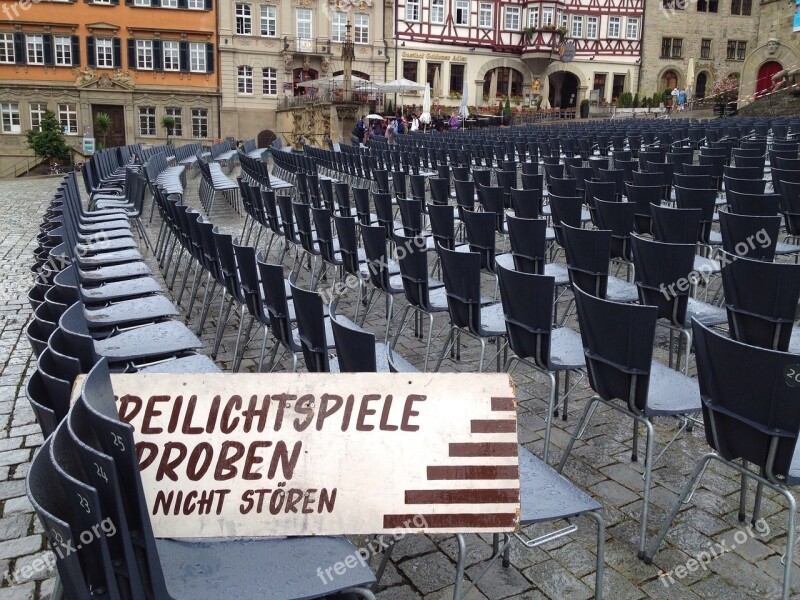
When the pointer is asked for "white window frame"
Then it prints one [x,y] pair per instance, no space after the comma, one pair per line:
[200,121]
[577,26]
[533,17]
[62,50]
[9,115]
[632,28]
[361,28]
[592,27]
[196,4]
[512,18]
[338,26]
[68,118]
[34,49]
[171,55]
[462,12]
[614,29]
[169,3]
[244,80]
[144,55]
[437,12]
[141,2]
[147,117]
[269,83]
[197,57]
[176,112]
[104,53]
[563,18]
[101,1]
[306,20]
[36,112]
[7,55]
[412,10]
[485,9]
[244,18]
[548,16]
[269,20]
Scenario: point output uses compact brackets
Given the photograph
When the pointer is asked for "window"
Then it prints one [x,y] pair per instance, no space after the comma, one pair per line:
[171,56]
[104,53]
[169,3]
[591,27]
[737,50]
[675,4]
[37,114]
[462,12]
[9,112]
[577,26]
[412,10]
[176,113]
[270,77]
[68,117]
[144,54]
[339,26]
[513,17]
[141,2]
[269,21]
[304,23]
[196,4]
[671,47]
[199,123]
[437,11]
[244,20]
[456,78]
[197,57]
[548,16]
[563,19]
[632,31]
[244,80]
[741,7]
[63,50]
[361,28]
[533,17]
[613,26]
[705,48]
[35,45]
[410,69]
[101,1]
[485,15]
[6,48]
[147,120]
[707,6]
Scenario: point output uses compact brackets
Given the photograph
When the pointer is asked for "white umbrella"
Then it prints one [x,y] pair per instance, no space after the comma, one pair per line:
[463,111]
[690,78]
[493,87]
[373,117]
[425,117]
[628,82]
[437,84]
[400,86]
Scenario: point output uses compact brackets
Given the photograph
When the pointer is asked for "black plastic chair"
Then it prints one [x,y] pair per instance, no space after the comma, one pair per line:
[750,236]
[381,271]
[313,329]
[617,217]
[618,345]
[643,197]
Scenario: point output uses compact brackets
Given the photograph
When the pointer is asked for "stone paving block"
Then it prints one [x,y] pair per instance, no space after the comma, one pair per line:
[19,504]
[578,561]
[35,567]
[10,489]
[477,550]
[20,546]
[613,493]
[46,589]
[14,526]
[615,586]
[429,572]
[399,593]
[671,591]
[556,582]
[409,546]
[745,576]
[447,594]
[14,457]
[498,581]
[19,592]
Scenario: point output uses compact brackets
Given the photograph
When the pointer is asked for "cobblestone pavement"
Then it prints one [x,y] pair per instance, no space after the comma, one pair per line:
[423,566]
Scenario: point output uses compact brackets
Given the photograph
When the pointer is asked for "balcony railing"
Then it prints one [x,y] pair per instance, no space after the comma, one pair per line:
[321,46]
[541,40]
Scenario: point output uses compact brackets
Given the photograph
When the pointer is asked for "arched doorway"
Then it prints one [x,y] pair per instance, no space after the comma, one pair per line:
[299,76]
[669,80]
[700,87]
[563,89]
[509,82]
[765,73]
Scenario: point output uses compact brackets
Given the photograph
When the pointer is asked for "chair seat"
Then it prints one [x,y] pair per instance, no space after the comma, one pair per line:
[130,312]
[563,499]
[794,342]
[125,243]
[195,363]
[782,248]
[705,313]
[557,271]
[493,319]
[671,392]
[110,273]
[103,226]
[504,260]
[566,349]
[714,238]
[246,567]
[433,284]
[705,265]
[110,258]
[621,291]
[159,339]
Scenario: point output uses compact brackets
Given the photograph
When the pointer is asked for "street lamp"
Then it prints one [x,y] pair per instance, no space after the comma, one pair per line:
[348,56]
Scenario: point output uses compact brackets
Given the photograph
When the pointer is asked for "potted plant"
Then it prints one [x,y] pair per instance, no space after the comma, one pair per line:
[725,93]
[529,31]
[507,113]
[585,108]
[48,143]
[102,127]
[168,123]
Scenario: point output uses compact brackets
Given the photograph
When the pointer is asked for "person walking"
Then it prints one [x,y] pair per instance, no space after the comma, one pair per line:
[682,99]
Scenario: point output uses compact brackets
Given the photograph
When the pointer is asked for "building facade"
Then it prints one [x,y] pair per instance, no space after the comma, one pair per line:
[135,60]
[269,47]
[693,43]
[515,48]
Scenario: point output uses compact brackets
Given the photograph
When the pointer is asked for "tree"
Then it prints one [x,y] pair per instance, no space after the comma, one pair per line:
[102,126]
[168,123]
[48,143]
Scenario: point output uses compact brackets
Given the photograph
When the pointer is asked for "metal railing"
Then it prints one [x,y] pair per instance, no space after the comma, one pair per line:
[308,45]
[21,167]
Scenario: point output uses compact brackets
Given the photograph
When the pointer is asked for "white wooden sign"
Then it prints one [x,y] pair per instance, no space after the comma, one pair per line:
[308,454]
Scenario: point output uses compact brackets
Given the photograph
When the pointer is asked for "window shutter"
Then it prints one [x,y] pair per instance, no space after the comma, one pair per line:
[209,4]
[155,3]
[115,2]
[19,48]
[131,54]
[209,58]
[129,2]
[76,51]
[183,4]
[184,56]
[49,59]
[117,53]
[90,54]
[157,56]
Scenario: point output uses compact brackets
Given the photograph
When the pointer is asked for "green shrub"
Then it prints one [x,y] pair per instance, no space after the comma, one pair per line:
[635,103]
[625,100]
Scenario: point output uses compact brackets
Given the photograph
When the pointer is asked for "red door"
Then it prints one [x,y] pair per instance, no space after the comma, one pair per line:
[765,73]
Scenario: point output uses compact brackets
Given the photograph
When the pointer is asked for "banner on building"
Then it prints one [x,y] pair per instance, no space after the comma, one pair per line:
[797,16]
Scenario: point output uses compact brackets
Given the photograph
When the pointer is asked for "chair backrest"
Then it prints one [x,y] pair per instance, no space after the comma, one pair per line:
[618,345]
[696,181]
[745,186]
[528,308]
[461,273]
[527,203]
[528,243]
[749,408]
[703,199]
[750,236]
[374,240]
[311,329]
[618,218]
[73,325]
[663,274]
[588,252]
[765,318]
[348,244]
[753,204]
[480,228]
[566,210]
[412,257]
[355,347]
[675,225]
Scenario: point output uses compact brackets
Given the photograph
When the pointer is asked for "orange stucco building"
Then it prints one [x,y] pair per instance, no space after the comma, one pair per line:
[135,60]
